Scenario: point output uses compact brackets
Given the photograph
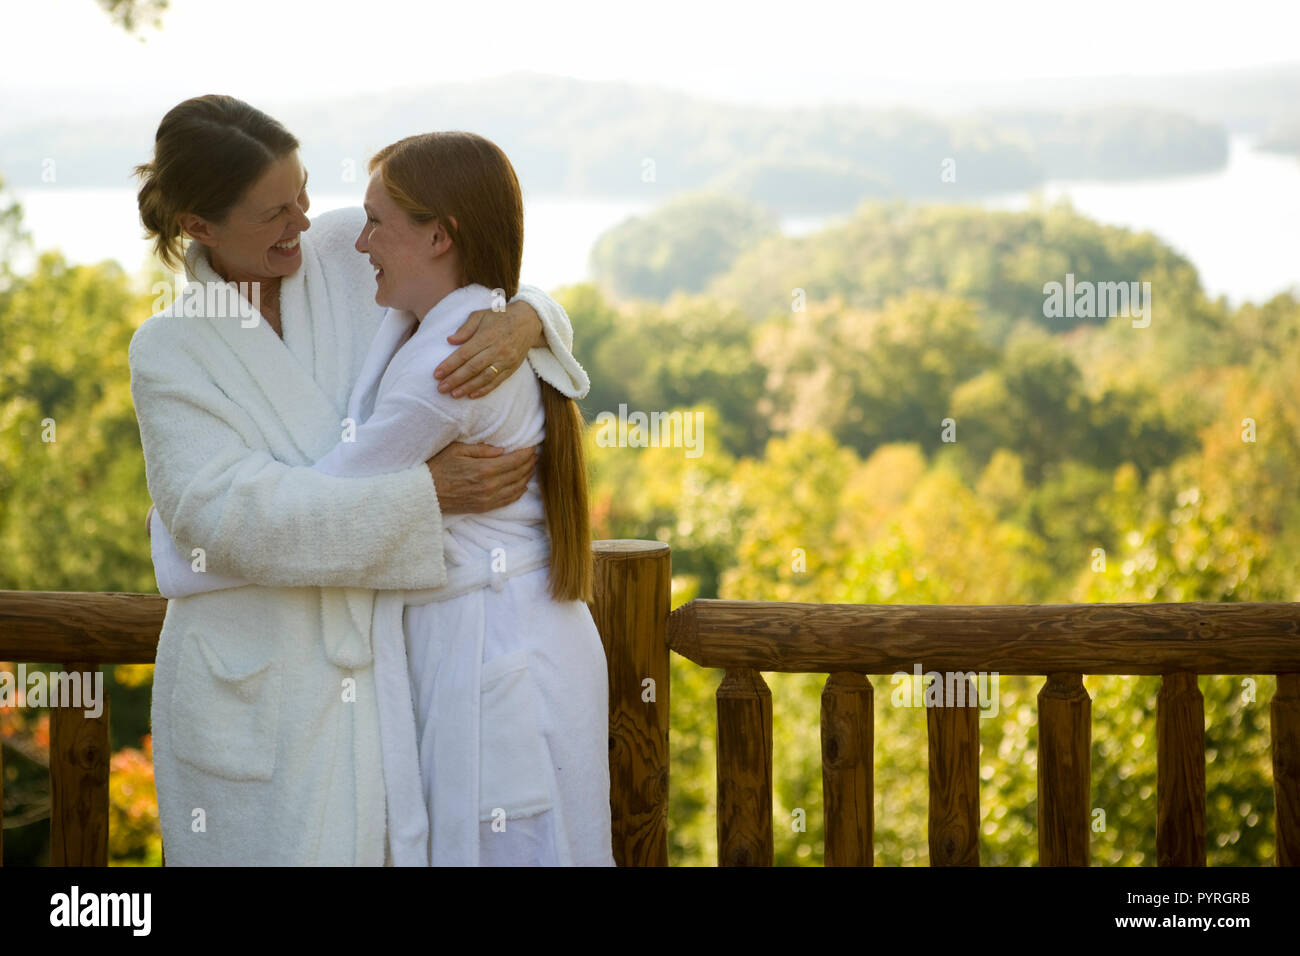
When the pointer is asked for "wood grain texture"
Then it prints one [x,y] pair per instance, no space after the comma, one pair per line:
[108,628]
[1064,771]
[633,585]
[954,744]
[1180,772]
[1036,639]
[848,788]
[79,758]
[744,770]
[1284,724]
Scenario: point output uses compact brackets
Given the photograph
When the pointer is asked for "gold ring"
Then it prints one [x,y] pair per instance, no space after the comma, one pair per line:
[495,370]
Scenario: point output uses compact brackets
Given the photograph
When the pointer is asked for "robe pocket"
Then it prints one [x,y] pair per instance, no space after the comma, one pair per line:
[225,712]
[514,760]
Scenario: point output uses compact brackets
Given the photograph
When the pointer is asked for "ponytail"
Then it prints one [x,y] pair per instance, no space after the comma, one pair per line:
[562,474]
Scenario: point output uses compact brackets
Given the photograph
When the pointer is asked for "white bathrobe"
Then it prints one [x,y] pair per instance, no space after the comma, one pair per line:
[495,734]
[265,720]
[508,687]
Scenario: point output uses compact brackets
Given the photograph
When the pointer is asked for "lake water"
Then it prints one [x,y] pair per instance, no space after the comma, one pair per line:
[90,225]
[1239,225]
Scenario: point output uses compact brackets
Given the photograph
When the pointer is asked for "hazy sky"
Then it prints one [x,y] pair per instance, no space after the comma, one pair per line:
[798,50]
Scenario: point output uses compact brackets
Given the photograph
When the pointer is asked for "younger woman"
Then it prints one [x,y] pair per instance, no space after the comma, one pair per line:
[507,650]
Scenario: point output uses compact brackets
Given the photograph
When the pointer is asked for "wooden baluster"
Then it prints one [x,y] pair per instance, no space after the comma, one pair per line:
[79,759]
[1064,770]
[1284,726]
[632,592]
[2,803]
[848,794]
[1180,772]
[954,740]
[744,769]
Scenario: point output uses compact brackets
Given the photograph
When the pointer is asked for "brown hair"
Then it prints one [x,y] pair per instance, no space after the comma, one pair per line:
[208,152]
[462,176]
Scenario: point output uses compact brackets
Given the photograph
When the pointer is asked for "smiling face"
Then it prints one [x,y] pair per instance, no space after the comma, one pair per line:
[259,238]
[409,257]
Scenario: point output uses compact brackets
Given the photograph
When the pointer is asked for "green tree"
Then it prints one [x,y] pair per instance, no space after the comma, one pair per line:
[871,378]
[679,247]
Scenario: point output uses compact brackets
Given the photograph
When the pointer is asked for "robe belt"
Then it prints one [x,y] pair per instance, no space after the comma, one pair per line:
[455,814]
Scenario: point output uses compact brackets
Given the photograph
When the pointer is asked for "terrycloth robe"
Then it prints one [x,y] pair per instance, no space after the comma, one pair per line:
[264,715]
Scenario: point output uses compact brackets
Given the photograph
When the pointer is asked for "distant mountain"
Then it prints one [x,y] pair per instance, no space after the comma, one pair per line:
[1282,138]
[608,139]
[1249,100]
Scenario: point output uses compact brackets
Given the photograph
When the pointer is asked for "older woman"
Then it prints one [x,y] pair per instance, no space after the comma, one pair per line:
[265,721]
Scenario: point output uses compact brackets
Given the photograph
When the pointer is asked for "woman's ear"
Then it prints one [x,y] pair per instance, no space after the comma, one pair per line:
[440,239]
[198,229]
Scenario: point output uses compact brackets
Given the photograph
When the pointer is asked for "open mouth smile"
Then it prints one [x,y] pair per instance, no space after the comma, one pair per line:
[289,247]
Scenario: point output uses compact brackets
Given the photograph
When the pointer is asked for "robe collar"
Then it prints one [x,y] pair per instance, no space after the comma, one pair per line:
[281,367]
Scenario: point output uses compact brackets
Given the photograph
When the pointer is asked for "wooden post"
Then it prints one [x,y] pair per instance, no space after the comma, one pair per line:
[744,769]
[633,589]
[1180,772]
[1284,725]
[954,740]
[848,792]
[79,782]
[1064,770]
[2,803]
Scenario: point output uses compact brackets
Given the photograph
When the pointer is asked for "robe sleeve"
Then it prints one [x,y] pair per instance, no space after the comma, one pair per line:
[176,576]
[404,429]
[555,364]
[262,520]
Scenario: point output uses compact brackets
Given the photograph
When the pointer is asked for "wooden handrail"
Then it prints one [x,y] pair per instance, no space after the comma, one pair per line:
[1034,639]
[98,628]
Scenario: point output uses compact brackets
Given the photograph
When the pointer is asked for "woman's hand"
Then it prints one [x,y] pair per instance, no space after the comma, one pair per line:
[470,479]
[148,528]
[490,338]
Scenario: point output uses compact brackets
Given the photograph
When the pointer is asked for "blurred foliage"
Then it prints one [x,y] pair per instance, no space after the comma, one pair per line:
[1000,260]
[131,15]
[679,246]
[72,507]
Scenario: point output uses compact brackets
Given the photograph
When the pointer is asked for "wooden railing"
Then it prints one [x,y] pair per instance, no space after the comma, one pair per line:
[80,631]
[1062,642]
[846,642]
